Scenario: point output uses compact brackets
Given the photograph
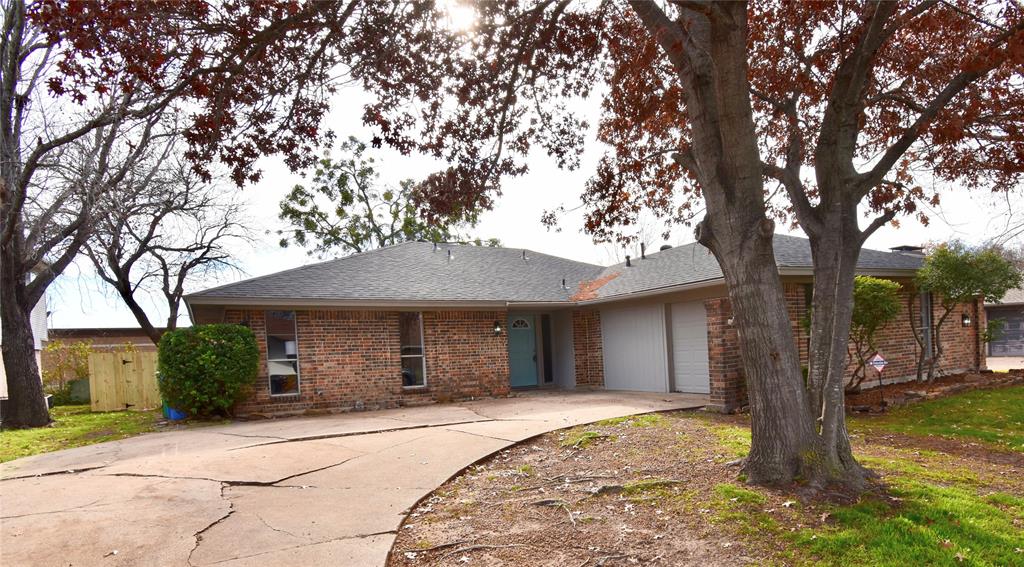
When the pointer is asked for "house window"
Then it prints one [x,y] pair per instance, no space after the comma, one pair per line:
[520,324]
[282,353]
[414,364]
[926,322]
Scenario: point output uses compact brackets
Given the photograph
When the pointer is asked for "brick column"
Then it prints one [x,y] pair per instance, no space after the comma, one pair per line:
[588,355]
[728,387]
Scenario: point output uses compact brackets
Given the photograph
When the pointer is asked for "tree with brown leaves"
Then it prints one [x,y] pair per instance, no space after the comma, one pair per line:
[847,108]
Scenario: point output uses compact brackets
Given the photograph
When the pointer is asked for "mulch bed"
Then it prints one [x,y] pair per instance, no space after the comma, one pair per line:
[879,399]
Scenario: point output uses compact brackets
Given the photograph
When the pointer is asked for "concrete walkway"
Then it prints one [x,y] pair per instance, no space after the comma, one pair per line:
[1004,363]
[328,490]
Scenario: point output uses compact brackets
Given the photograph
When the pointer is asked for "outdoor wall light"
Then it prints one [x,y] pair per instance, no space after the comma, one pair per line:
[497,328]
[731,321]
[965,320]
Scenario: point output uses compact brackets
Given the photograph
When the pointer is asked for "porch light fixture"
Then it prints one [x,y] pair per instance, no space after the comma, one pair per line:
[965,320]
[497,328]
[731,321]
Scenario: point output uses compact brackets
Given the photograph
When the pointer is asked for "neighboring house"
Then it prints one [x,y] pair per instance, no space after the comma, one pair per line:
[105,338]
[419,322]
[1009,310]
[39,334]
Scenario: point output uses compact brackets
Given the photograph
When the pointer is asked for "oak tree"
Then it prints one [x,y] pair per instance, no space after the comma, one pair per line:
[845,108]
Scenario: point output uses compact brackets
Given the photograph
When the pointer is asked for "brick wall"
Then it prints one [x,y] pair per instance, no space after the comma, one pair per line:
[350,359]
[962,345]
[464,356]
[728,388]
[587,350]
[896,341]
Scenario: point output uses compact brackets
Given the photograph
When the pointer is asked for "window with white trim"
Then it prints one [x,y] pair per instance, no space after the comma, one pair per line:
[282,353]
[414,363]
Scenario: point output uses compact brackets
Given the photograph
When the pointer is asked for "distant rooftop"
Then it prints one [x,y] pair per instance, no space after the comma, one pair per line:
[1012,297]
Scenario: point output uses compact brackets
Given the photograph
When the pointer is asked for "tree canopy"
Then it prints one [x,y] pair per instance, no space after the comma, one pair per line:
[347,209]
[723,102]
[956,274]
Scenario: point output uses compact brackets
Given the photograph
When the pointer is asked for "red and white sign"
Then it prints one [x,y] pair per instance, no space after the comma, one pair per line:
[878,363]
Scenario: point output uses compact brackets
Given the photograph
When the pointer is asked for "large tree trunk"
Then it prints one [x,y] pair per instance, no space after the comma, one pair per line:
[26,403]
[835,256]
[783,441]
[709,52]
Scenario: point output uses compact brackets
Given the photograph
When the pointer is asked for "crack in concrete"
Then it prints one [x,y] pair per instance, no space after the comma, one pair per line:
[355,433]
[262,483]
[286,532]
[54,473]
[199,534]
[51,511]
[344,538]
[251,436]
[482,435]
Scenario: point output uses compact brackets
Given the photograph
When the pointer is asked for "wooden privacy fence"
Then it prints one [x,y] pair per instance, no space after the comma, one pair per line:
[123,380]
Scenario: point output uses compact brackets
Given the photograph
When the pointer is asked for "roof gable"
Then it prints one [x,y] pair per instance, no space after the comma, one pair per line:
[421,271]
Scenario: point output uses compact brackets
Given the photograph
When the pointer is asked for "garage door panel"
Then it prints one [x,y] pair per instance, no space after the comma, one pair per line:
[1010,341]
[634,348]
[691,371]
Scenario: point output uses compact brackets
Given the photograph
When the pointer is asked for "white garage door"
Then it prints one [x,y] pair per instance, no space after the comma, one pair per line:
[690,347]
[634,349]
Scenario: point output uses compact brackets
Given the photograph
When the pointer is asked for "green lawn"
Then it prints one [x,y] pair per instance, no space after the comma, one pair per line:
[75,426]
[990,416]
[946,511]
[940,509]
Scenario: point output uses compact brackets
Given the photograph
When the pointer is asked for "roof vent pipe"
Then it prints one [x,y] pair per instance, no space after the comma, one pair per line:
[563,284]
[643,251]
[435,247]
[449,255]
[628,265]
[524,255]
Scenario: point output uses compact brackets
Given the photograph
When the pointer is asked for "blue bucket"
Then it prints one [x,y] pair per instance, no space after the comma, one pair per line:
[173,414]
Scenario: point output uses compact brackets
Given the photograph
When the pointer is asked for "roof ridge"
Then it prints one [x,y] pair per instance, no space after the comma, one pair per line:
[304,266]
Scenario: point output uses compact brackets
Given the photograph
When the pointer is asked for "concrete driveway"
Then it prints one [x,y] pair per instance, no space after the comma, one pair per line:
[328,490]
[1004,363]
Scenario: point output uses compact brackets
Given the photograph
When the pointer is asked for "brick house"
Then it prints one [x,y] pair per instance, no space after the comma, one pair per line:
[420,322]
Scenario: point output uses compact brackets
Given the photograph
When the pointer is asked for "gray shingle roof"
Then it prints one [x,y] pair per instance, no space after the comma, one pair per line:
[693,263]
[1012,297]
[414,271]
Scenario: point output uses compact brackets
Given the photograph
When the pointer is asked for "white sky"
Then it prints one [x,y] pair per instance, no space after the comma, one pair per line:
[78,299]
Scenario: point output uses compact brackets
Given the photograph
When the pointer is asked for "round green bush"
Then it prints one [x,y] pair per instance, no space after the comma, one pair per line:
[205,369]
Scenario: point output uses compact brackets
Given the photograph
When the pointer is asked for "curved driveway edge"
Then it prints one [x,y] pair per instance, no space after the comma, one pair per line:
[328,490]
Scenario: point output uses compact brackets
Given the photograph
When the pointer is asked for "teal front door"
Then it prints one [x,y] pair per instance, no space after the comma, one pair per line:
[522,350]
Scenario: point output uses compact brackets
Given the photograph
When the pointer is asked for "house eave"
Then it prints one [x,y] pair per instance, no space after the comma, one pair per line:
[314,303]
[654,291]
[877,272]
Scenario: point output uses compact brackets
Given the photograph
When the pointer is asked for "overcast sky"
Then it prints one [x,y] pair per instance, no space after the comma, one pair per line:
[77,299]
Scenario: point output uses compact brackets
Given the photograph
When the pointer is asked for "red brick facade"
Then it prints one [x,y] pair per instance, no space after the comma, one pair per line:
[724,366]
[587,350]
[350,360]
[962,346]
